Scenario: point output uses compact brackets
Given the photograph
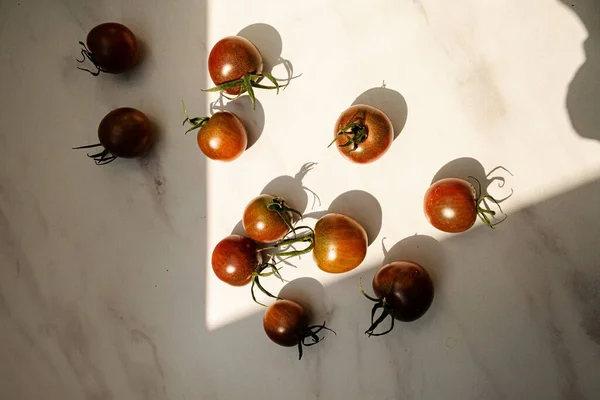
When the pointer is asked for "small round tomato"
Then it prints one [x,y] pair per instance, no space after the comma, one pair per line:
[286,323]
[124,132]
[451,205]
[234,260]
[223,137]
[404,290]
[363,133]
[230,59]
[340,243]
[267,218]
[112,48]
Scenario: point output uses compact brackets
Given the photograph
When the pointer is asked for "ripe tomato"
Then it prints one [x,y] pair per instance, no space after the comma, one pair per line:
[363,134]
[230,59]
[450,205]
[124,132]
[234,260]
[340,243]
[286,323]
[404,290]
[267,218]
[111,47]
[453,204]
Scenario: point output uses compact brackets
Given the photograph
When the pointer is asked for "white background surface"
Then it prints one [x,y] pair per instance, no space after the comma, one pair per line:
[106,290]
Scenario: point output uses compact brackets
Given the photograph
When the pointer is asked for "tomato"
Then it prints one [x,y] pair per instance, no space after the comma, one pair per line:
[404,290]
[230,59]
[286,323]
[340,243]
[124,132]
[221,137]
[267,218]
[112,48]
[235,259]
[452,205]
[363,134]
[235,66]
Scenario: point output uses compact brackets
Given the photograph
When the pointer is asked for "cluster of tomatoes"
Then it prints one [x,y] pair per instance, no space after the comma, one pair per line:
[403,290]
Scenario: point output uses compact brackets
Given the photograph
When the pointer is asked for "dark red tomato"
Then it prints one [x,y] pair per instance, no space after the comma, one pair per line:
[407,289]
[125,132]
[285,322]
[265,225]
[231,58]
[113,48]
[340,243]
[363,133]
[450,205]
[234,259]
[223,137]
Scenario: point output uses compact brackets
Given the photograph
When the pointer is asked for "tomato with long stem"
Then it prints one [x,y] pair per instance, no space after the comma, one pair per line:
[268,218]
[453,204]
[124,132]
[403,291]
[221,137]
[340,243]
[111,47]
[363,133]
[286,323]
[235,66]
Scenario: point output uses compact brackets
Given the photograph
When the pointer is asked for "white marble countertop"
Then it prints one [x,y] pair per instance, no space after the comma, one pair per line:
[106,290]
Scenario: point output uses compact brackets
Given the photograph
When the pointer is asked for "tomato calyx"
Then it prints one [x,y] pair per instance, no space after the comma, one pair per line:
[248,82]
[279,206]
[484,212]
[310,332]
[102,158]
[287,242]
[355,134]
[86,53]
[196,123]
[386,311]
[257,274]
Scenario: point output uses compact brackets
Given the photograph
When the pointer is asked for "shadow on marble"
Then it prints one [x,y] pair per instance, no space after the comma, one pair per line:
[361,206]
[268,41]
[253,120]
[466,166]
[421,249]
[583,94]
[390,102]
[309,293]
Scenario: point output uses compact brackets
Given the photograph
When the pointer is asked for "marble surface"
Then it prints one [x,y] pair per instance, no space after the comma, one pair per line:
[106,290]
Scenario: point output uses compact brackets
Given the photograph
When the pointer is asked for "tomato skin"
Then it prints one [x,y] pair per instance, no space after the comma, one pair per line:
[114,47]
[231,58]
[450,205]
[223,137]
[340,243]
[234,259]
[262,224]
[380,133]
[407,288]
[284,322]
[125,132]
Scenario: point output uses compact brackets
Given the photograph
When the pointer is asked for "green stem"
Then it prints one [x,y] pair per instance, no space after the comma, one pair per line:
[311,332]
[355,134]
[483,211]
[196,123]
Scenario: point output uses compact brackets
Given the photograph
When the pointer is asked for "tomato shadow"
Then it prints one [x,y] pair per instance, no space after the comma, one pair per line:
[309,293]
[583,94]
[421,249]
[465,167]
[390,102]
[268,41]
[290,188]
[253,120]
[361,206]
